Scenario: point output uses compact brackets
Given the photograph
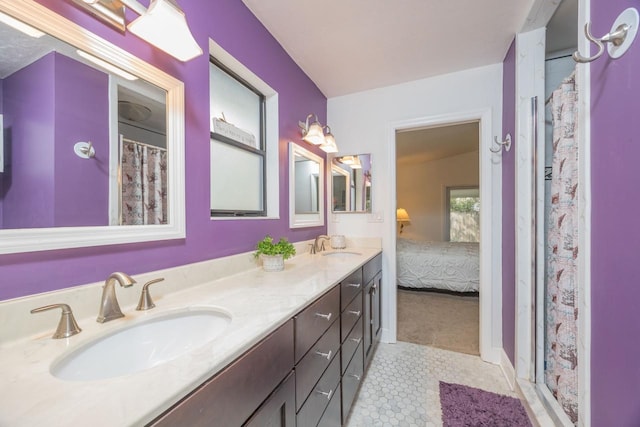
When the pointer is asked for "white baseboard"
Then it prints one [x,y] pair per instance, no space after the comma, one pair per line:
[508,370]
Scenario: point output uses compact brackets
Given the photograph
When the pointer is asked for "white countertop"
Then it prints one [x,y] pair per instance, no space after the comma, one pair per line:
[258,302]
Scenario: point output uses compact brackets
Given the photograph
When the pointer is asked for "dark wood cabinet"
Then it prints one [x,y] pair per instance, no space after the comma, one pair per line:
[230,397]
[371,307]
[279,409]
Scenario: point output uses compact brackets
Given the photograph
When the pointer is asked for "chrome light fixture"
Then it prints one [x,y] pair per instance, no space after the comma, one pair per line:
[329,145]
[162,25]
[312,133]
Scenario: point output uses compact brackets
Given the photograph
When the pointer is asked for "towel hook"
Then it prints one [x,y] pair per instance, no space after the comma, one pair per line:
[500,144]
[618,40]
[84,150]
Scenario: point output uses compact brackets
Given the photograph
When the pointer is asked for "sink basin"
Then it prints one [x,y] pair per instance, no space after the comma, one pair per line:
[344,254]
[142,345]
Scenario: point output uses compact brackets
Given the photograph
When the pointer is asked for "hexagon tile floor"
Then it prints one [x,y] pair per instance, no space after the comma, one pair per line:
[401,387]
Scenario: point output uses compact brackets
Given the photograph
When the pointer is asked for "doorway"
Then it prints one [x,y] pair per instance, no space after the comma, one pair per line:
[437,245]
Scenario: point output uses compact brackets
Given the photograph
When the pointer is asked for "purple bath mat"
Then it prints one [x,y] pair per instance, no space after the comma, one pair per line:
[464,406]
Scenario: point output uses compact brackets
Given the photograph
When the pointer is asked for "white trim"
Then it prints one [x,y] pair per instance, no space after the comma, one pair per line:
[39,239]
[508,370]
[490,225]
[299,220]
[583,80]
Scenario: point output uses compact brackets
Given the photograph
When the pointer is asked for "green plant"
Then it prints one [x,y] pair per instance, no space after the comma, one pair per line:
[267,247]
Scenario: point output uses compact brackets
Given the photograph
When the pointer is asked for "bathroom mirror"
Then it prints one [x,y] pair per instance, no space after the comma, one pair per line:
[93,139]
[351,183]
[306,188]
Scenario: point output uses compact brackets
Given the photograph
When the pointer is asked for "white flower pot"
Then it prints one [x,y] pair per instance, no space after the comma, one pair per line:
[272,262]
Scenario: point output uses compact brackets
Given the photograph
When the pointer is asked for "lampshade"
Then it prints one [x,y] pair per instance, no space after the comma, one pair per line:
[329,145]
[347,160]
[313,133]
[356,163]
[165,26]
[402,215]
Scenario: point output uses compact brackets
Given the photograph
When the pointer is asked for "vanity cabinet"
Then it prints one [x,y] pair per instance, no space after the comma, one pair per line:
[230,397]
[306,373]
[372,276]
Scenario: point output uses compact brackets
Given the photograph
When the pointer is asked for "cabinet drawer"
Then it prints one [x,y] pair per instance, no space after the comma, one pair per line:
[351,382]
[318,400]
[371,268]
[332,415]
[311,323]
[230,397]
[350,287]
[314,363]
[350,316]
[351,344]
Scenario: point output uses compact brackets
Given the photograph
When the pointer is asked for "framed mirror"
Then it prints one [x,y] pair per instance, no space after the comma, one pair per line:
[306,188]
[351,183]
[93,138]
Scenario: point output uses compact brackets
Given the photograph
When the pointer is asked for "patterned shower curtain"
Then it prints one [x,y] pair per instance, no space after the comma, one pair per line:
[143,184]
[561,354]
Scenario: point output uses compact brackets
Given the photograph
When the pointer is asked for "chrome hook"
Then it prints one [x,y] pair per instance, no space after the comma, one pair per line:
[621,36]
[506,144]
[616,37]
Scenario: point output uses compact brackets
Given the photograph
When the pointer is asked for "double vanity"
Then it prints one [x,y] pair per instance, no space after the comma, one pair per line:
[248,348]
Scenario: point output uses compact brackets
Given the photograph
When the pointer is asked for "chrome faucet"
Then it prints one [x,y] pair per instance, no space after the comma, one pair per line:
[314,247]
[109,307]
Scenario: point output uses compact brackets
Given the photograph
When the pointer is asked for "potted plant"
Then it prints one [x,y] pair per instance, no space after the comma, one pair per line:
[273,254]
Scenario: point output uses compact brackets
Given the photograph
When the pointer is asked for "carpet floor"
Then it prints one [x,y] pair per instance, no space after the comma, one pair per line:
[449,322]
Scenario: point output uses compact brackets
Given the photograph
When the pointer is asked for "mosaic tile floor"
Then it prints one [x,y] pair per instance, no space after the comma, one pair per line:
[402,385]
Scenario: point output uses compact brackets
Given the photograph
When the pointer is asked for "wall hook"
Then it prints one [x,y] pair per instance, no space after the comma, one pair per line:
[618,40]
[500,144]
[84,150]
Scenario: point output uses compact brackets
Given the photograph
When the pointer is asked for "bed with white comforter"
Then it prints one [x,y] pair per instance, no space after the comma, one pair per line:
[448,266]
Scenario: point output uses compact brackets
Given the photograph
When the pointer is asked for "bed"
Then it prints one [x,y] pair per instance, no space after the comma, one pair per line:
[445,266]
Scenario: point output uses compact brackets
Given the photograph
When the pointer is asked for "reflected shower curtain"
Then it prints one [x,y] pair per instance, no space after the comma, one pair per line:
[143,184]
[561,353]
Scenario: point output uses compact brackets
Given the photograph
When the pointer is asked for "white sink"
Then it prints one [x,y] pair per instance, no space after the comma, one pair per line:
[142,345]
[343,254]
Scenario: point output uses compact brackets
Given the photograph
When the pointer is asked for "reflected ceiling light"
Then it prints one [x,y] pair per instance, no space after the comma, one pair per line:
[20,26]
[312,133]
[105,65]
[329,145]
[162,25]
[356,163]
[347,160]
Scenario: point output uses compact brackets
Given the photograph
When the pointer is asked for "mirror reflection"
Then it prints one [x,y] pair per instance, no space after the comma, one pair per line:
[351,183]
[83,144]
[306,187]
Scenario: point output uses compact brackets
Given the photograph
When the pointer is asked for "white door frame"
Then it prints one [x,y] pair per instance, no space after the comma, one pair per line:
[490,226]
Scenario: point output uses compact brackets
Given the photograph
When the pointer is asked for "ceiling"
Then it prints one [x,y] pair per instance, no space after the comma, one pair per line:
[355,45]
[434,143]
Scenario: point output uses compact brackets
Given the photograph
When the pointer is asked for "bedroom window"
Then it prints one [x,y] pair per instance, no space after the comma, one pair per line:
[463,214]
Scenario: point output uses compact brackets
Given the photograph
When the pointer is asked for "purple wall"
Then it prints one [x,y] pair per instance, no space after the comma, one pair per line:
[29,104]
[81,115]
[45,117]
[615,234]
[508,205]
[232,26]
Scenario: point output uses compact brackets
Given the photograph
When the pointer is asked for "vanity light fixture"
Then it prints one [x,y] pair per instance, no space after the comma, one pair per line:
[356,163]
[20,26]
[162,25]
[329,145]
[104,64]
[312,133]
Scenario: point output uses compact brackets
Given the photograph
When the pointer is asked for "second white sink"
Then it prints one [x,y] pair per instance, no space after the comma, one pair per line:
[142,345]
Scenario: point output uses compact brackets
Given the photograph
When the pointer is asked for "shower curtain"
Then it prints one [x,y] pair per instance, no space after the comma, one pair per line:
[561,354]
[143,184]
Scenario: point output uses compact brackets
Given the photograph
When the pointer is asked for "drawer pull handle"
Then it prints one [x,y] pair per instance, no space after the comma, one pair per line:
[354,285]
[357,377]
[355,313]
[325,316]
[325,355]
[326,393]
[356,340]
